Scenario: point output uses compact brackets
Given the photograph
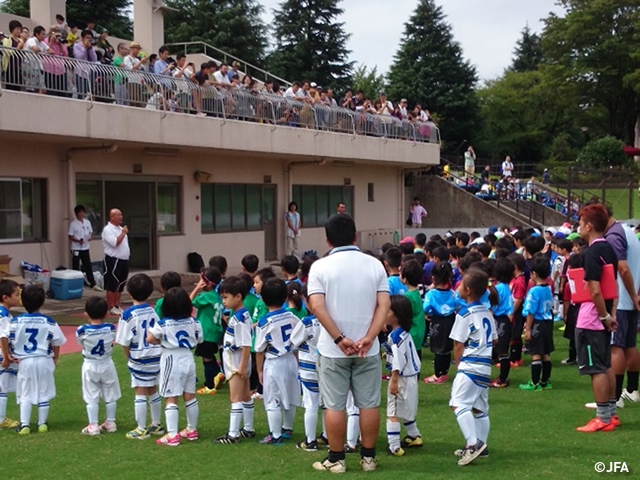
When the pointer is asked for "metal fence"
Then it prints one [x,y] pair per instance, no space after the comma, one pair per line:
[65,77]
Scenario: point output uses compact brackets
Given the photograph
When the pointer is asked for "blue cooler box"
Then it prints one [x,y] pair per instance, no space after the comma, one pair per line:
[66,284]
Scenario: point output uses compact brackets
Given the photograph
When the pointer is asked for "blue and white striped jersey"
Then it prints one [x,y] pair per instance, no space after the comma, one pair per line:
[34,335]
[305,334]
[177,333]
[96,341]
[5,332]
[133,328]
[273,333]
[238,332]
[401,354]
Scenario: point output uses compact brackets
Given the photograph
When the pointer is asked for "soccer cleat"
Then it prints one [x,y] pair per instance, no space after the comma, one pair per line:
[368,464]
[530,387]
[322,440]
[620,403]
[568,361]
[311,446]
[137,434]
[247,433]
[460,452]
[271,440]
[411,442]
[591,405]
[206,391]
[516,364]
[349,449]
[615,419]
[155,429]
[433,379]
[287,433]
[8,423]
[256,396]
[190,435]
[169,441]
[43,428]
[117,311]
[227,439]
[108,427]
[91,430]
[333,467]
[218,380]
[498,384]
[23,430]
[596,425]
[399,452]
[631,396]
[547,385]
[471,453]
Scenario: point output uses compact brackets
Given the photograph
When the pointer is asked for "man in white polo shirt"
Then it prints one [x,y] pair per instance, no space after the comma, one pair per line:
[116,259]
[349,294]
[80,232]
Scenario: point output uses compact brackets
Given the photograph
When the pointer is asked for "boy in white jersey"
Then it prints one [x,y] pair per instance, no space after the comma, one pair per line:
[99,376]
[473,334]
[277,366]
[143,358]
[236,355]
[35,340]
[9,298]
[404,365]
[178,333]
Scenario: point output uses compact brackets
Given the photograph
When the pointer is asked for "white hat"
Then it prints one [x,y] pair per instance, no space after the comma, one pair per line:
[565,230]
[313,84]
[551,230]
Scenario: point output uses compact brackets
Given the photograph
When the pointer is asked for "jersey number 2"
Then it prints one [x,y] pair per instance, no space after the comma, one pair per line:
[486,323]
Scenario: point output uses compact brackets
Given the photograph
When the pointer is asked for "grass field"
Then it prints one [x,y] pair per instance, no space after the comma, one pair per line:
[532,436]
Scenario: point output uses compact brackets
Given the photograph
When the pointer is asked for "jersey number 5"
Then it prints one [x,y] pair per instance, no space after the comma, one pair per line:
[286,332]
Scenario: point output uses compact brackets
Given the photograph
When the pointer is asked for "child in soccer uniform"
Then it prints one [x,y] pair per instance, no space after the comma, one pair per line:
[473,334]
[99,376]
[236,355]
[295,304]
[411,275]
[502,313]
[250,264]
[207,302]
[143,358]
[539,327]
[277,365]
[571,312]
[177,332]
[392,263]
[440,306]
[519,288]
[35,340]
[168,280]
[259,311]
[404,365]
[9,298]
[250,299]
[290,265]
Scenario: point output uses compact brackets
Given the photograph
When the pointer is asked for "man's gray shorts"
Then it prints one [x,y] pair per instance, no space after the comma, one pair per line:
[336,376]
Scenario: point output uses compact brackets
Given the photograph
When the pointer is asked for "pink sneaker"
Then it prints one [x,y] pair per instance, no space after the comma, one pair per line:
[91,430]
[190,435]
[108,427]
[436,380]
[169,441]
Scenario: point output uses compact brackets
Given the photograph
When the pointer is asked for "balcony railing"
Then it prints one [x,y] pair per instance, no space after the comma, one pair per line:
[95,82]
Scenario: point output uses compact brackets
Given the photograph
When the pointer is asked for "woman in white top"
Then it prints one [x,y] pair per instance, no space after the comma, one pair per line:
[292,232]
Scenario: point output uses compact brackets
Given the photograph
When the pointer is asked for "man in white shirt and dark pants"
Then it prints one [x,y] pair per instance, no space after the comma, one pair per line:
[80,232]
[115,243]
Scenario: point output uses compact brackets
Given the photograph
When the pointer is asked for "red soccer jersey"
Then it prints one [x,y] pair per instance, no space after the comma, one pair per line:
[519,287]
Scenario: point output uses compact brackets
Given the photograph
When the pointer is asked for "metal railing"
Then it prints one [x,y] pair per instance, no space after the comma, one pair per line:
[95,82]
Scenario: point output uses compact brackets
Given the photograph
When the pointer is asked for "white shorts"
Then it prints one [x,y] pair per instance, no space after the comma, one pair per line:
[177,373]
[9,379]
[280,382]
[310,398]
[465,393]
[35,380]
[231,362]
[405,404]
[100,380]
[351,405]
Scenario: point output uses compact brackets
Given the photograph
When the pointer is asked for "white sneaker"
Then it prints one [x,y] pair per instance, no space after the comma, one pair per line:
[96,288]
[620,403]
[201,114]
[368,464]
[591,405]
[115,311]
[92,430]
[469,454]
[327,466]
[631,396]
[108,427]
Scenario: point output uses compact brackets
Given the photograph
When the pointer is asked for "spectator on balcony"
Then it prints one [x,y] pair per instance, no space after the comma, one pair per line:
[248,83]
[507,167]
[367,107]
[120,77]
[72,38]
[404,113]
[162,66]
[386,107]
[91,26]
[201,78]
[55,72]
[182,74]
[423,115]
[135,79]
[62,25]
[34,70]
[234,70]
[277,90]
[294,92]
[221,77]
[470,162]
[11,61]
[332,101]
[418,212]
[267,89]
[84,51]
[103,46]
[25,34]
[348,100]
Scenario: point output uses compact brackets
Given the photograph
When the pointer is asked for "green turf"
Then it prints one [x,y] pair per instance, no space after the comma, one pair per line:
[532,436]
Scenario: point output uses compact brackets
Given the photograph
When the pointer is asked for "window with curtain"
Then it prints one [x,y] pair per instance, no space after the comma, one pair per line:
[230,207]
[23,209]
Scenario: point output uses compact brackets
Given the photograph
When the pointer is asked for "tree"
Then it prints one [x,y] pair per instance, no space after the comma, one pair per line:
[604,153]
[429,68]
[311,43]
[234,26]
[528,52]
[369,81]
[110,14]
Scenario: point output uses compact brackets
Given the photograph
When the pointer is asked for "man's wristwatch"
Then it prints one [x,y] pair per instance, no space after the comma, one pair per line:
[338,339]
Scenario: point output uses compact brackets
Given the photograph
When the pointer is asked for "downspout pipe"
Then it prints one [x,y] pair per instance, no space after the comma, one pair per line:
[321,162]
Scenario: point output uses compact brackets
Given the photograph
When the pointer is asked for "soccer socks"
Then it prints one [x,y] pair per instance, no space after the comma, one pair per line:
[289,417]
[613,408]
[111,411]
[193,410]
[171,415]
[603,412]
[482,426]
[505,368]
[536,371]
[92,413]
[412,428]
[211,369]
[516,350]
[310,423]
[235,419]
[156,408]
[632,381]
[248,410]
[619,382]
[546,371]
[441,364]
[3,406]
[467,424]
[393,435]
[43,413]
[353,429]
[25,413]
[140,409]
[274,417]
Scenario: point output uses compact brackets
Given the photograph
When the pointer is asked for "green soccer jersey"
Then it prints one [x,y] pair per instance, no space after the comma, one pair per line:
[418,325]
[210,308]
[250,302]
[302,313]
[158,307]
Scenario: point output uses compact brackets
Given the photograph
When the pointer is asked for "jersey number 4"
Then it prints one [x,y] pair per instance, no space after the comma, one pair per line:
[98,349]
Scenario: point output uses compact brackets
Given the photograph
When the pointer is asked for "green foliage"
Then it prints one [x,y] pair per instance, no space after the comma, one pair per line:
[562,149]
[369,81]
[604,153]
[528,52]
[429,68]
[234,26]
[110,14]
[310,43]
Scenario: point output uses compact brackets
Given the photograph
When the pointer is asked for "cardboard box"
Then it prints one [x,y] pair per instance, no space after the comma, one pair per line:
[5,261]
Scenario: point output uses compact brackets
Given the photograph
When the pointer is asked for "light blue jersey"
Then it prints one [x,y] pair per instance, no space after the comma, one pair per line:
[439,303]
[396,287]
[538,303]
[505,300]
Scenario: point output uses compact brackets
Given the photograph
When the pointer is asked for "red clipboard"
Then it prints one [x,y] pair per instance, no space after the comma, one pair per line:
[580,288]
